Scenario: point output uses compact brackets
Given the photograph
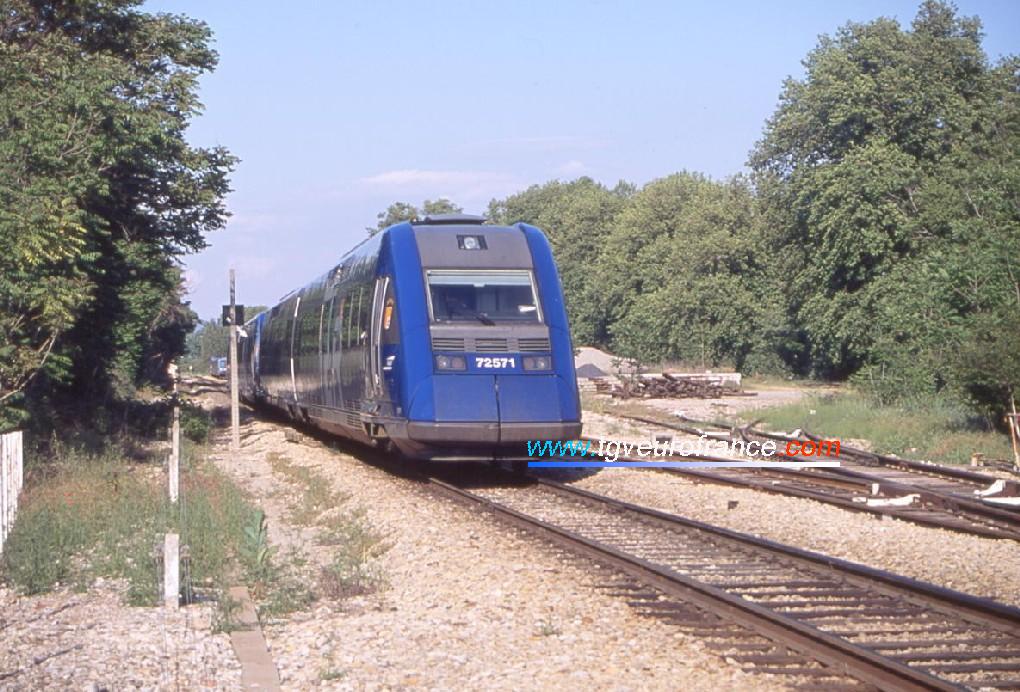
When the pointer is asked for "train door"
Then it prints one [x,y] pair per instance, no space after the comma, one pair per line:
[352,371]
[294,331]
[373,379]
[389,347]
[332,352]
[256,352]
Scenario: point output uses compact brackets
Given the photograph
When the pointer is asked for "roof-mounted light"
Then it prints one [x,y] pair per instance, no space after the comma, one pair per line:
[451,220]
[471,242]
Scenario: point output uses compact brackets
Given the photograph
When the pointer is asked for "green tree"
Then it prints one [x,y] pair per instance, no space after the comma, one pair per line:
[100,194]
[888,183]
[681,276]
[576,216]
[404,211]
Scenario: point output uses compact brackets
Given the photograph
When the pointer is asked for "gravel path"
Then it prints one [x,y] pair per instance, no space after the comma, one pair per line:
[469,603]
[91,641]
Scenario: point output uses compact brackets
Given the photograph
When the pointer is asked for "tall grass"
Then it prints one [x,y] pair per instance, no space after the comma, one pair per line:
[936,430]
[92,517]
[87,516]
[90,514]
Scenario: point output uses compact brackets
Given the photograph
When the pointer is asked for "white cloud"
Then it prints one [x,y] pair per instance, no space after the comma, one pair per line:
[571,168]
[466,187]
[413,177]
[252,266]
[550,144]
[245,223]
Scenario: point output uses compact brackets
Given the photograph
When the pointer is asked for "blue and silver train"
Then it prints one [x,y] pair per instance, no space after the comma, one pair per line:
[439,339]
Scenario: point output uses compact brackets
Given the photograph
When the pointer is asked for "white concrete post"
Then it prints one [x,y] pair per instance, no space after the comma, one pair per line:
[12,476]
[172,570]
[174,470]
[5,488]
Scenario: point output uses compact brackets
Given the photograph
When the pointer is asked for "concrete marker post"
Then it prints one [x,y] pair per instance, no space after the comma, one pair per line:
[6,496]
[172,571]
[174,472]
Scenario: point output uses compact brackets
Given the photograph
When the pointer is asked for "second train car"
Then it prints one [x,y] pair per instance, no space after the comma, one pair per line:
[440,339]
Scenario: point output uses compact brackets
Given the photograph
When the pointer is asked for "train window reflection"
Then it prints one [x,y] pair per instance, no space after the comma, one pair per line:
[488,297]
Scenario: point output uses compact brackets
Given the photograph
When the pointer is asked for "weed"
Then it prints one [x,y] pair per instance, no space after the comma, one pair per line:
[316,495]
[331,672]
[196,423]
[88,515]
[288,593]
[256,553]
[547,628]
[353,570]
[225,615]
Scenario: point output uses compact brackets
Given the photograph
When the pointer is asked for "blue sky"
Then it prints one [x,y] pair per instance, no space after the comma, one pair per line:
[337,109]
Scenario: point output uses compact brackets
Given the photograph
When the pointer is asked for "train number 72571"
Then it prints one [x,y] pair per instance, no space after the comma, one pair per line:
[495,362]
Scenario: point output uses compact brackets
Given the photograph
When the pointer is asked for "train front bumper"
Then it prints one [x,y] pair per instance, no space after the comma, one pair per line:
[491,433]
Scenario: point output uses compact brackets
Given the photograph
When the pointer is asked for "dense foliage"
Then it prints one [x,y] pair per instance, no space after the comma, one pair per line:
[405,211]
[878,237]
[888,179]
[99,194]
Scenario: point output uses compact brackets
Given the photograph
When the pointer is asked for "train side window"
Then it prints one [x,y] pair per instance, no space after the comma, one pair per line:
[310,332]
[365,315]
[338,323]
[354,327]
[302,335]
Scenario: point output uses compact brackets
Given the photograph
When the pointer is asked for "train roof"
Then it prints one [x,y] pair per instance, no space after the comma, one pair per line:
[450,219]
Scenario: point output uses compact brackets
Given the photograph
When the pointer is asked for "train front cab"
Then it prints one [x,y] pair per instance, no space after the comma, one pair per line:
[500,366]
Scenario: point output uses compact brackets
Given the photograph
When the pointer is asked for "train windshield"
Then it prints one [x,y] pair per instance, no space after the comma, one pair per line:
[487,297]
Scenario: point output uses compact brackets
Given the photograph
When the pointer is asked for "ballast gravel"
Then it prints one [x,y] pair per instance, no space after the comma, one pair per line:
[92,641]
[469,604]
[980,566]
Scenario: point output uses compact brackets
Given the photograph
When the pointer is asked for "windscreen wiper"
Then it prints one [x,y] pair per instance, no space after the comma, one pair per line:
[480,316]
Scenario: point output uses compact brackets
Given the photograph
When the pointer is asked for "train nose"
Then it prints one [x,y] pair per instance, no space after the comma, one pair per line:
[493,409]
[465,398]
[535,407]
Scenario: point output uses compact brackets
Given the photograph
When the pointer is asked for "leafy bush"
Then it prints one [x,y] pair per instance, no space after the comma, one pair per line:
[196,423]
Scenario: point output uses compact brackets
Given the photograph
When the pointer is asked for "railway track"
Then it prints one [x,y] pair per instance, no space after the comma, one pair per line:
[824,622]
[922,493]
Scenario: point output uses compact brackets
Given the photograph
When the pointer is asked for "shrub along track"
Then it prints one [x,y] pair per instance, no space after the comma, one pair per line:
[932,494]
[771,608]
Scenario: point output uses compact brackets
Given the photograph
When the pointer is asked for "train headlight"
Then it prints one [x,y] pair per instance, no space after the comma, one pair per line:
[451,363]
[471,242]
[537,363]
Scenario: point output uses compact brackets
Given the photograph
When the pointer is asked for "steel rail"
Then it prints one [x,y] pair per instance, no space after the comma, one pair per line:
[837,652]
[941,509]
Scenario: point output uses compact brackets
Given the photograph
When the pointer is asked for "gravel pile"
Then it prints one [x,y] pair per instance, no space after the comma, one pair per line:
[91,641]
[469,604]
